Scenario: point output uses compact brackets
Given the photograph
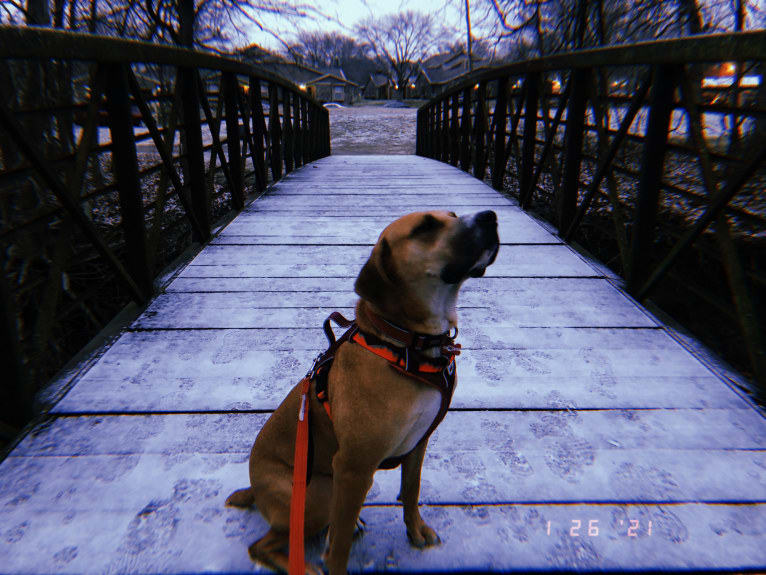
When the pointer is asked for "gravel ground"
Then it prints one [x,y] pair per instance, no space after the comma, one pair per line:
[365,129]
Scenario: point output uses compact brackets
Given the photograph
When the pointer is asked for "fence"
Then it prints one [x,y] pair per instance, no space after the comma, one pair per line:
[639,152]
[114,156]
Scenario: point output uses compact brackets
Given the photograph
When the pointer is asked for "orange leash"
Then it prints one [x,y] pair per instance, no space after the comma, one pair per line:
[296,562]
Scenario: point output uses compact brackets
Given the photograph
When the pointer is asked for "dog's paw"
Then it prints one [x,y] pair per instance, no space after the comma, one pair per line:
[241,498]
[421,535]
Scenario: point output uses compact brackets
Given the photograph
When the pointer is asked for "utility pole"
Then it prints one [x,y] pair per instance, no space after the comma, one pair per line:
[468,27]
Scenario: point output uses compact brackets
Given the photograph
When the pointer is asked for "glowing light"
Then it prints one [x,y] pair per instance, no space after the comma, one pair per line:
[729,68]
[302,86]
[476,87]
[556,86]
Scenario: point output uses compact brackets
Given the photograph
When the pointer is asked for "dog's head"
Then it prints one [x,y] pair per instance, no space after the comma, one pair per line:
[419,262]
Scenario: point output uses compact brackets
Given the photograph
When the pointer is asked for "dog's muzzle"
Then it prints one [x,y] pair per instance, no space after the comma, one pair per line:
[475,247]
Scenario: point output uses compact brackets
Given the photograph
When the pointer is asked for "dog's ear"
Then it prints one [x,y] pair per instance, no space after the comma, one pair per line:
[377,280]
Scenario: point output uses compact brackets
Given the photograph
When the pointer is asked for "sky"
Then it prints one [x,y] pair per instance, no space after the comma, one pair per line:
[344,14]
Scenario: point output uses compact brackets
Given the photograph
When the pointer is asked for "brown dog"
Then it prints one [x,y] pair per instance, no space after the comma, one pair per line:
[412,280]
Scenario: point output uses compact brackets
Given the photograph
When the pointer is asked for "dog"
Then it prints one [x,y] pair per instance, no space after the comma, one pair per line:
[371,414]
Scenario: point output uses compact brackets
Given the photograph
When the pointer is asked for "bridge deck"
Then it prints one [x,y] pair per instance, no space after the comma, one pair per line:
[575,407]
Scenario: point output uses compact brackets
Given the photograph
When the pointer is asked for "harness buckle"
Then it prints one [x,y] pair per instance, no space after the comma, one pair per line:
[451,349]
[314,367]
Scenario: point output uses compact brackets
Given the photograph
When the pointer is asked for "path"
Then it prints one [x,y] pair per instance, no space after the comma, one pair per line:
[579,423]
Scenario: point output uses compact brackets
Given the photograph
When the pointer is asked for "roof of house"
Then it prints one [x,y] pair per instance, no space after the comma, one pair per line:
[378,79]
[359,69]
[297,73]
[443,68]
[330,76]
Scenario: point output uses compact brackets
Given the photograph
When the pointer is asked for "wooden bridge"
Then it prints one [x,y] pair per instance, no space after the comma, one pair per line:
[586,433]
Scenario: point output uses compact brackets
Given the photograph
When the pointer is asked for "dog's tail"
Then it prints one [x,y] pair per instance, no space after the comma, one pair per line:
[241,498]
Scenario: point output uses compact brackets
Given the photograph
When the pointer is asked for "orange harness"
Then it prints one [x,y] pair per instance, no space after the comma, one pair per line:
[407,360]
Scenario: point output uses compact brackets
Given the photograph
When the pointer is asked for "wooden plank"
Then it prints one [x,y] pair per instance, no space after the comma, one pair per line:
[393,205]
[512,260]
[513,229]
[353,211]
[382,204]
[161,535]
[583,290]
[152,513]
[523,303]
[606,431]
[529,457]
[222,310]
[147,493]
[501,368]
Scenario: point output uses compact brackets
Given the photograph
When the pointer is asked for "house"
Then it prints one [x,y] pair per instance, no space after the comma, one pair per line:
[437,71]
[378,87]
[328,85]
[358,69]
[333,86]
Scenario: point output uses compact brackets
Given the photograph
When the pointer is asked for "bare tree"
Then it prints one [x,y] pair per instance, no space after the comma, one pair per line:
[324,49]
[539,27]
[400,41]
[217,23]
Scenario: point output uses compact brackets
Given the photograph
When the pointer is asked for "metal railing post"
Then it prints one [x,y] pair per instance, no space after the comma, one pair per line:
[479,131]
[652,161]
[275,133]
[259,132]
[445,144]
[125,169]
[234,161]
[465,131]
[531,83]
[454,131]
[287,129]
[500,117]
[195,161]
[297,131]
[305,134]
[565,200]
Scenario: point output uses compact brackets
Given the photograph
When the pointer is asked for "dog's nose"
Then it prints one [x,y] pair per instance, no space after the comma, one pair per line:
[486,219]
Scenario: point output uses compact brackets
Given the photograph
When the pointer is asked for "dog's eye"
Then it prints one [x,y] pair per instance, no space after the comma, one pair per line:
[453,214]
[427,225]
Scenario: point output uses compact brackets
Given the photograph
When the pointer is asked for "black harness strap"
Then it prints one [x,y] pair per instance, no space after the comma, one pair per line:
[405,360]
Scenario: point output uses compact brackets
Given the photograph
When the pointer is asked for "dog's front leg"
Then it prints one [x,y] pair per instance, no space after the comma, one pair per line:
[351,482]
[419,534]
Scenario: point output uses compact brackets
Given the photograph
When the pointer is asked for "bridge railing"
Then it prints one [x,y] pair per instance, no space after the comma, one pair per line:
[638,152]
[114,156]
